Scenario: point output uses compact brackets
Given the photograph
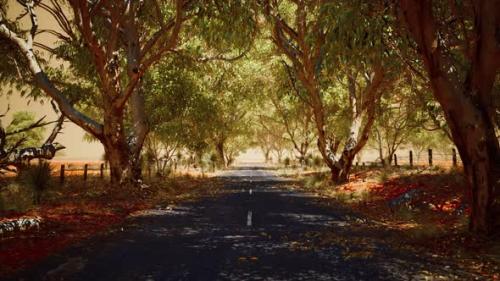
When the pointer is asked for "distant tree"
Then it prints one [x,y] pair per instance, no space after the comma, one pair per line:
[314,35]
[400,116]
[293,114]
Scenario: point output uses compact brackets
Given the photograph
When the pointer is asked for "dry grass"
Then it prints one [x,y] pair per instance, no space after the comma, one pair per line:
[77,210]
[432,222]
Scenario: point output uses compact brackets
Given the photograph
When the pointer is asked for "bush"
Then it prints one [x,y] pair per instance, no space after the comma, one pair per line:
[37,178]
[287,162]
[317,161]
[316,180]
[15,197]
[384,175]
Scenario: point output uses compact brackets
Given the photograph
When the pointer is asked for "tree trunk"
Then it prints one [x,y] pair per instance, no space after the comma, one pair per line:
[474,135]
[342,168]
[137,103]
[266,155]
[359,134]
[467,105]
[340,172]
[140,131]
[303,157]
[219,147]
[115,146]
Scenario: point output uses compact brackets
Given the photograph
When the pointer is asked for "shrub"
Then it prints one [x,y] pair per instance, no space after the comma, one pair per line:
[342,197]
[365,196]
[317,161]
[15,197]
[37,178]
[316,180]
[287,162]
[384,175]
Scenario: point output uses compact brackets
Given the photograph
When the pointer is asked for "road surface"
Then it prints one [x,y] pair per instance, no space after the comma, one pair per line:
[258,230]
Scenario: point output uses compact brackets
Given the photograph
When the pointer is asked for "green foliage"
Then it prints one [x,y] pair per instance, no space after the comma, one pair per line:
[316,180]
[37,178]
[16,197]
[384,175]
[317,161]
[286,161]
[225,25]
[423,139]
[21,120]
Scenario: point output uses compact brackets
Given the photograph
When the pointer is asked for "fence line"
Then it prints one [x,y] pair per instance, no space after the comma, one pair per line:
[100,169]
[431,158]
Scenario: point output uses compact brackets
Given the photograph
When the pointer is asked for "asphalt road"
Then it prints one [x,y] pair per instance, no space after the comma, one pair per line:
[256,231]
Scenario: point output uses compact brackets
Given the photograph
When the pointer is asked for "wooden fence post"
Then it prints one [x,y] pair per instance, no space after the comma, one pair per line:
[395,159]
[430,157]
[454,155]
[102,170]
[61,175]
[85,168]
[411,158]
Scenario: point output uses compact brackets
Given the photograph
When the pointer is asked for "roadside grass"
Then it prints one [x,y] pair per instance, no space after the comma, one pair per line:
[77,210]
[435,220]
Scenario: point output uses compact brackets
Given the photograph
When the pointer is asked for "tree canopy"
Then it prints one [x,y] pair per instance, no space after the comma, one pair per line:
[303,78]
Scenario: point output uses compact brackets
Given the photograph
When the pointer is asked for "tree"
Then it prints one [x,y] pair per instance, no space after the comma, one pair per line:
[462,59]
[121,45]
[21,142]
[311,34]
[231,87]
[400,116]
[110,46]
[181,117]
[293,114]
[264,140]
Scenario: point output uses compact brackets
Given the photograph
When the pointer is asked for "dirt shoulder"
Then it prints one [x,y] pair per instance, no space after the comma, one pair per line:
[77,211]
[425,209]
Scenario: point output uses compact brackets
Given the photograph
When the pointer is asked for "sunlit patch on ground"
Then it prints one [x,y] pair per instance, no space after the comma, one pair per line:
[426,209]
[310,219]
[169,211]
[290,238]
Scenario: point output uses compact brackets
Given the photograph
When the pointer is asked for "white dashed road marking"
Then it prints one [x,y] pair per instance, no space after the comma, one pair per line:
[249,218]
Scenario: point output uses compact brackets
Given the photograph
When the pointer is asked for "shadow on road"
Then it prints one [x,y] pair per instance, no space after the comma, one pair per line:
[291,236]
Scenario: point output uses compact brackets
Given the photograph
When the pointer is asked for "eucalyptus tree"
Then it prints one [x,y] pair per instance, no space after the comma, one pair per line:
[400,116]
[232,88]
[109,46]
[263,138]
[459,46]
[315,34]
[182,116]
[171,103]
[121,43]
[290,112]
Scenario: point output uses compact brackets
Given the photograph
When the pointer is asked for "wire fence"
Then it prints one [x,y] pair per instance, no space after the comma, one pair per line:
[368,157]
[101,170]
[408,157]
